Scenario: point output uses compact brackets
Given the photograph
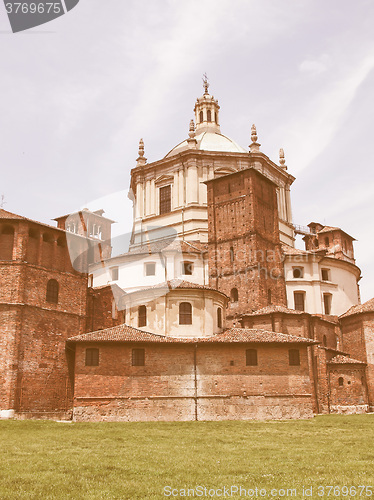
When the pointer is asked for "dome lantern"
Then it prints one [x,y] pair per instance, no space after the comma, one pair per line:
[206,111]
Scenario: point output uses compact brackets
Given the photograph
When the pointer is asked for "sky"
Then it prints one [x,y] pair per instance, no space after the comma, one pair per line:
[78,93]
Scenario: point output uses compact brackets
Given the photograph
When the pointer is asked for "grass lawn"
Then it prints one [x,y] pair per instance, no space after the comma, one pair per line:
[48,460]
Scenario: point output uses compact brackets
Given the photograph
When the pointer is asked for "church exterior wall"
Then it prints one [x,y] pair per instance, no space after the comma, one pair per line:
[341,285]
[173,386]
[34,367]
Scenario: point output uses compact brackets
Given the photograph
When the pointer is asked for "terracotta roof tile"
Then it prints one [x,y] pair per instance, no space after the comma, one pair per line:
[362,308]
[344,360]
[169,245]
[274,309]
[4,214]
[126,333]
[287,250]
[179,284]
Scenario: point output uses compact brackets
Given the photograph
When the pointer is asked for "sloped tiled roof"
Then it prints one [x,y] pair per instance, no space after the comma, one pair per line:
[328,229]
[362,308]
[126,333]
[4,214]
[344,360]
[288,250]
[179,284]
[274,309]
[169,245]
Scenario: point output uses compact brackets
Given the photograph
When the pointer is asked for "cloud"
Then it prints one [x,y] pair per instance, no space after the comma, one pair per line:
[315,66]
[311,134]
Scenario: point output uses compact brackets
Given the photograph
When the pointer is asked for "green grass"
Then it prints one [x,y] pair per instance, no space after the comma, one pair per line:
[50,460]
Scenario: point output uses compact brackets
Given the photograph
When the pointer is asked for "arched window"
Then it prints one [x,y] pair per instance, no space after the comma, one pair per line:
[52,291]
[232,255]
[216,118]
[48,238]
[209,115]
[251,357]
[61,241]
[142,316]
[185,313]
[340,381]
[33,233]
[6,242]
[324,340]
[201,117]
[234,295]
[219,318]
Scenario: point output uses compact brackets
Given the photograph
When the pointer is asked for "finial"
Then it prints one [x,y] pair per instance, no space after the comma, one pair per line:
[255,146]
[191,140]
[141,159]
[282,161]
[141,148]
[254,133]
[192,129]
[205,83]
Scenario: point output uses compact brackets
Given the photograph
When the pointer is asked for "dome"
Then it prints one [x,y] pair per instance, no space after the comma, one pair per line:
[209,141]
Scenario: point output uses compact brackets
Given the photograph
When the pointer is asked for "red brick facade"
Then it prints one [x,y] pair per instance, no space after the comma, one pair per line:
[191,380]
[245,260]
[42,300]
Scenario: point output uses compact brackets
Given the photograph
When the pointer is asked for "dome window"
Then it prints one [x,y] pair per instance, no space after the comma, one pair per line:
[298,272]
[209,115]
[201,117]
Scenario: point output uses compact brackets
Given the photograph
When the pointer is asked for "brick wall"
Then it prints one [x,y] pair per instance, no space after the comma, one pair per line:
[169,387]
[350,396]
[34,366]
[243,245]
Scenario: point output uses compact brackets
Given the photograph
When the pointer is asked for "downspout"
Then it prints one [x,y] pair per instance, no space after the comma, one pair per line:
[195,380]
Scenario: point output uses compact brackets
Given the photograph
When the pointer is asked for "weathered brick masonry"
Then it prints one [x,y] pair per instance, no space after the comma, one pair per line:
[191,379]
[42,300]
[243,246]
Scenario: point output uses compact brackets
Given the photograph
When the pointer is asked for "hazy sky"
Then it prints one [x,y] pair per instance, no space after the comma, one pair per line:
[78,93]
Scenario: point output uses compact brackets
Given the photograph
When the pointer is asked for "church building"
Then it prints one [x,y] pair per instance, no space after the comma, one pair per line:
[212,314]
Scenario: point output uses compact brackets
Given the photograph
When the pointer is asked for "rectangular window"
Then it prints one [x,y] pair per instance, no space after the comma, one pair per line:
[114,273]
[165,200]
[92,356]
[325,274]
[138,357]
[187,268]
[251,357]
[150,268]
[294,357]
[327,302]
[142,316]
[299,299]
